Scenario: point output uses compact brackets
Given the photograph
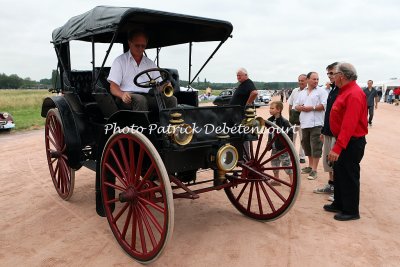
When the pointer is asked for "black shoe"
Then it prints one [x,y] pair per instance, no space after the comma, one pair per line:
[346,217]
[331,208]
[302,161]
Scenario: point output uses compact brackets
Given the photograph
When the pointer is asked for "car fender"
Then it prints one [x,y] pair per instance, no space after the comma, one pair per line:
[71,133]
[118,121]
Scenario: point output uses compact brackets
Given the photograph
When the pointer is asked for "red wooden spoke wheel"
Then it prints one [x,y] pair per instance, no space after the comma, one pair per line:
[137,195]
[259,192]
[62,175]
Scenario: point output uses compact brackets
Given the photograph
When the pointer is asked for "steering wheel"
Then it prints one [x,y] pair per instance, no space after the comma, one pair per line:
[164,75]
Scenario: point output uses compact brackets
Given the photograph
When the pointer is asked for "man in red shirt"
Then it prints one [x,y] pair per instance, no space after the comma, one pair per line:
[348,122]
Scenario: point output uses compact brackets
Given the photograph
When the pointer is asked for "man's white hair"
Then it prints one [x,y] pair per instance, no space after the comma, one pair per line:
[242,70]
[348,70]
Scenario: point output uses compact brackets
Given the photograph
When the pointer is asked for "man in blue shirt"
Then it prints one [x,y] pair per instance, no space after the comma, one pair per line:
[372,100]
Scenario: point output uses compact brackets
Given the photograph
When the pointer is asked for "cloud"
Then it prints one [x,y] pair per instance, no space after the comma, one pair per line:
[274,40]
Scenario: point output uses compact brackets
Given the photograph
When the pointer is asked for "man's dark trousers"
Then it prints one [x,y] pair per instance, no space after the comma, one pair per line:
[347,177]
[371,114]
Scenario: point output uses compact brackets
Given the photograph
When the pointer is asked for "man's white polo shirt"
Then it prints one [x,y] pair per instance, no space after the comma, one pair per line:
[293,96]
[125,68]
[313,118]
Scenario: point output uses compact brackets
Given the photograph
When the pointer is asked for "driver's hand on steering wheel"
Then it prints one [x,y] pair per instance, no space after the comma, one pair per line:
[126,98]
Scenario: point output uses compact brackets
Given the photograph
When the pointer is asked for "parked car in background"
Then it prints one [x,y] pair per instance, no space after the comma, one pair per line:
[6,121]
[224,97]
[264,96]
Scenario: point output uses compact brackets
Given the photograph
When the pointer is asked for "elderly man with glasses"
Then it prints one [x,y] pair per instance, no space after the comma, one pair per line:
[348,122]
[125,67]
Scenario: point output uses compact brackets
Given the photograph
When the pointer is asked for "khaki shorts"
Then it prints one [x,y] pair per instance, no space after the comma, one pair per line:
[311,143]
[283,160]
[329,142]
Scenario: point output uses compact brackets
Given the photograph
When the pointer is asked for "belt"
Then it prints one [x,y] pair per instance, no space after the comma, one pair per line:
[353,138]
[137,93]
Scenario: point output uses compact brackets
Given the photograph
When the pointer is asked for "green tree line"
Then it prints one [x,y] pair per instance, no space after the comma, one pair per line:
[259,85]
[13,81]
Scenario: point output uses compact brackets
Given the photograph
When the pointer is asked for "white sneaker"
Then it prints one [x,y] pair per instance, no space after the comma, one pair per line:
[326,189]
[312,175]
[331,198]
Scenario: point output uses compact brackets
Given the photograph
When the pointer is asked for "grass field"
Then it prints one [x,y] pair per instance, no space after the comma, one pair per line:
[24,106]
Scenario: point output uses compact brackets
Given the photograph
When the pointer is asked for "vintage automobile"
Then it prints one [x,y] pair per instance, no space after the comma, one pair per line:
[145,159]
[6,121]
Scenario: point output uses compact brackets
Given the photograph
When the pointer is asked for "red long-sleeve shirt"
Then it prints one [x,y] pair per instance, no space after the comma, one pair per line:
[348,116]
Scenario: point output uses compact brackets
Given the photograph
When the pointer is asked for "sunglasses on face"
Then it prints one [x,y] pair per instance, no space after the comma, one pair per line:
[140,46]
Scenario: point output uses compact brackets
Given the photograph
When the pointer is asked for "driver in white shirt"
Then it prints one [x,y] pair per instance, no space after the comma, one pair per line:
[123,70]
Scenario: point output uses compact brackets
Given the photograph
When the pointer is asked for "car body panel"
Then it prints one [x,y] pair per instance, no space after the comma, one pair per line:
[6,121]
[224,97]
[263,96]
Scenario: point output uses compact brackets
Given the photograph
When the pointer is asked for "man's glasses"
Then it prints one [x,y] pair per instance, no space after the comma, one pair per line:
[140,46]
[331,73]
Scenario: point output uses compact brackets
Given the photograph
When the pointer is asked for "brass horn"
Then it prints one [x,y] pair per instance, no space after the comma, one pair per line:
[167,89]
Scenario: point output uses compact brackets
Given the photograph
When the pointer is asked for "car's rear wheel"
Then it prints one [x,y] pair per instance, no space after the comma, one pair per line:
[62,175]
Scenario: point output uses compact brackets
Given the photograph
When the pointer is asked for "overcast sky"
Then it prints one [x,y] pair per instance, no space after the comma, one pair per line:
[274,40]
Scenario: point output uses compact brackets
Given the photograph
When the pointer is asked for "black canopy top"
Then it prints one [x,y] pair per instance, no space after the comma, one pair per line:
[163,28]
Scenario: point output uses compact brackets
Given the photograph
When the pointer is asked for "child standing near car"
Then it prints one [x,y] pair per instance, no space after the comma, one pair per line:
[275,109]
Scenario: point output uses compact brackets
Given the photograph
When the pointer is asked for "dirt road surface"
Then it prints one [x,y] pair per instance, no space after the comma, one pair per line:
[37,228]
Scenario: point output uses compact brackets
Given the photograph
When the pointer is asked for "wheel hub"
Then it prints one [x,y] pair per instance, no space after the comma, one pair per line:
[248,173]
[55,154]
[130,195]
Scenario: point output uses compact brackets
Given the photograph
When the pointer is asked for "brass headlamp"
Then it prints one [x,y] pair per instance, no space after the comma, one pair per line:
[226,160]
[227,157]
[179,132]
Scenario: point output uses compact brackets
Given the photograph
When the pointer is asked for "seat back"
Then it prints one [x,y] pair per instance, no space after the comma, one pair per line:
[190,98]
[102,94]
[79,82]
[102,85]
[77,88]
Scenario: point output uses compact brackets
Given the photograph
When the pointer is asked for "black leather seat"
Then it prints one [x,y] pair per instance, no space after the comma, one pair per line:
[102,94]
